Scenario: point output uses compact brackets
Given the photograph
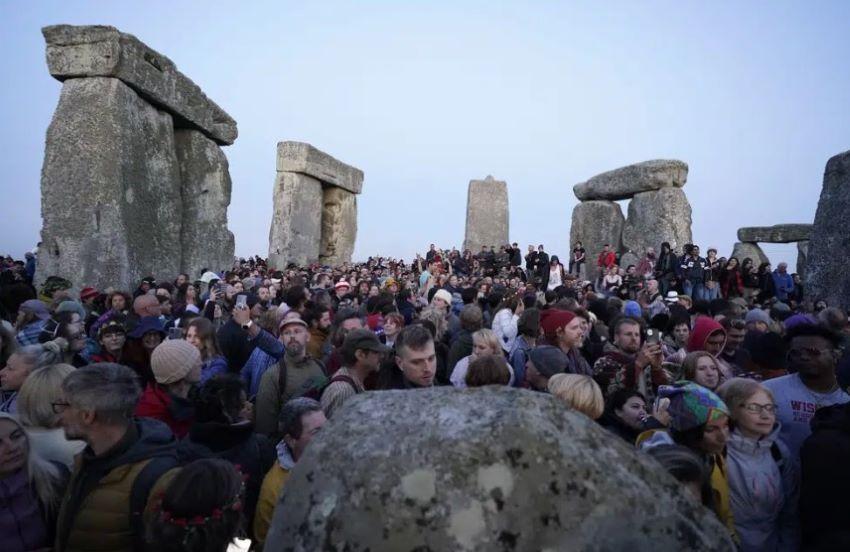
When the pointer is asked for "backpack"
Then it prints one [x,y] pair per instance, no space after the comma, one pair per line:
[141,490]
[314,388]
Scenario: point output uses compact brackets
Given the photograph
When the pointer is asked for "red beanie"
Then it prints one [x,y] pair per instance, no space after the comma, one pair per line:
[552,319]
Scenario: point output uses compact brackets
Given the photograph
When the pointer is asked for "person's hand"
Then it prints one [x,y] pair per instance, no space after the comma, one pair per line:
[241,314]
[650,353]
[660,412]
[213,295]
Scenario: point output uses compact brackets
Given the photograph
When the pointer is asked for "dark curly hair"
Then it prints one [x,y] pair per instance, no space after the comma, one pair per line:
[201,511]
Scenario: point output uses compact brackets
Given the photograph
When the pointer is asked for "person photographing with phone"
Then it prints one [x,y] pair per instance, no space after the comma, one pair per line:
[631,363]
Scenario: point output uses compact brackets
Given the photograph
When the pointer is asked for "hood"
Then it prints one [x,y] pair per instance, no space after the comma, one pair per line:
[751,446]
[284,456]
[154,439]
[217,436]
[836,417]
[703,327]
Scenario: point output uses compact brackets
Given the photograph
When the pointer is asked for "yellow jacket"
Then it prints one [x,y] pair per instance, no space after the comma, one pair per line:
[269,494]
[720,490]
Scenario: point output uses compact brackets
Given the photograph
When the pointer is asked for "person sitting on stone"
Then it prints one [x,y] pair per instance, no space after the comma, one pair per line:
[95,407]
[361,352]
[630,364]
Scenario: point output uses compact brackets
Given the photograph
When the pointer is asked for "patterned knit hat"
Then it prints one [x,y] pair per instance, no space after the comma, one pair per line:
[691,405]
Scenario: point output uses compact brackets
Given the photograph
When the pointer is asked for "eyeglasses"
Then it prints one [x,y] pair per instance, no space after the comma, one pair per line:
[810,352]
[59,407]
[756,408]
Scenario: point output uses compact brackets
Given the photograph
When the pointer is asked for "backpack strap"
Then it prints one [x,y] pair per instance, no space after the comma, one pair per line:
[140,493]
[281,377]
[346,379]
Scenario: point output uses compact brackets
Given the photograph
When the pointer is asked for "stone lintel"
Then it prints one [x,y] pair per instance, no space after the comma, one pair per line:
[104,51]
[300,157]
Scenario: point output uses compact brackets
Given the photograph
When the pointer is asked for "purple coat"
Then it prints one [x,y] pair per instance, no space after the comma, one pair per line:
[22,525]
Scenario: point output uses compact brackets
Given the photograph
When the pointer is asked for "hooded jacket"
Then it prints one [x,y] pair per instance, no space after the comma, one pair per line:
[824,483]
[763,486]
[271,490]
[704,326]
[95,514]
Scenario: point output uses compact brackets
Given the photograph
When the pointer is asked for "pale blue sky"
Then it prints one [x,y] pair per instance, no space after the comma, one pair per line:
[426,96]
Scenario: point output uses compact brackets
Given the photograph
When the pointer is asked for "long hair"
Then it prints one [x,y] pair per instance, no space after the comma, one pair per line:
[41,474]
[207,334]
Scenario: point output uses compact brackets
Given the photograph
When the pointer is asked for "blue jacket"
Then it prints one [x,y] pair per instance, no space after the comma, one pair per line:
[784,285]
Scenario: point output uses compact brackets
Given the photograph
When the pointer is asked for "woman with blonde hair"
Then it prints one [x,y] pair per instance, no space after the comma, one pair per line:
[578,392]
[484,342]
[701,368]
[31,488]
[22,363]
[40,391]
[202,334]
[763,477]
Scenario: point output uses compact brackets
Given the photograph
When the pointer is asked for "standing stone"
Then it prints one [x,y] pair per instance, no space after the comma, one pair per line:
[486,214]
[802,258]
[206,187]
[594,224]
[296,228]
[481,469]
[110,188]
[339,226]
[780,233]
[744,250]
[625,182]
[628,258]
[655,217]
[829,250]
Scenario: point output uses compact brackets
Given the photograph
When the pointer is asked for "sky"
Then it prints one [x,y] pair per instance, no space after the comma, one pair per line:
[426,96]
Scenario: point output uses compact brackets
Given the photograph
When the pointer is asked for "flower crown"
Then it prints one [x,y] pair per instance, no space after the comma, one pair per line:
[234,505]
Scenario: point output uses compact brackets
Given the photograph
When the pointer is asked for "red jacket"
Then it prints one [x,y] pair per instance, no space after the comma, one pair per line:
[159,404]
[606,259]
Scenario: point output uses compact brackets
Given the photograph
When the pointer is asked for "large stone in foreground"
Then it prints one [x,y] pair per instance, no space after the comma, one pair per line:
[485,469]
[303,158]
[625,182]
[746,250]
[656,217]
[296,230]
[339,226]
[110,188]
[829,249]
[594,224]
[487,218]
[102,51]
[780,233]
[206,187]
[802,258]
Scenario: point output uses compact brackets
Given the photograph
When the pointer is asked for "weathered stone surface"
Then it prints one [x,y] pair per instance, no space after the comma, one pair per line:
[594,224]
[744,250]
[296,228]
[339,226]
[625,182]
[206,186]
[655,217]
[628,258]
[110,188]
[802,258]
[486,214]
[102,51]
[780,233]
[829,250]
[480,469]
[305,159]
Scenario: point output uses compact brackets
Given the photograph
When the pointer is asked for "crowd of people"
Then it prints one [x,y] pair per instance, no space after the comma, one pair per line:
[170,416]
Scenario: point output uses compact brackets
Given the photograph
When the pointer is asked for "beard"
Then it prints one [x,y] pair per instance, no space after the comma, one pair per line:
[294,349]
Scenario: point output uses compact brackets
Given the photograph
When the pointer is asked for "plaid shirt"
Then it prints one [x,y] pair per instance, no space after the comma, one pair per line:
[29,334]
